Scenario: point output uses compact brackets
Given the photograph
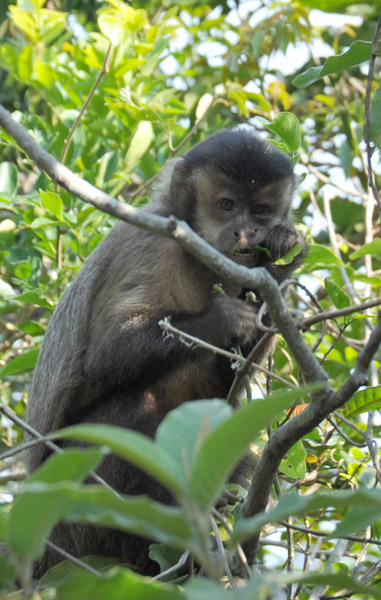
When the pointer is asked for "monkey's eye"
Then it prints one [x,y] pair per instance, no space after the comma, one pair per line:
[226,205]
[260,209]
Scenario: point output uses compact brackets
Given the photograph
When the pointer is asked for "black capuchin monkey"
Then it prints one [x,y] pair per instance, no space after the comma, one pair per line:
[104,358]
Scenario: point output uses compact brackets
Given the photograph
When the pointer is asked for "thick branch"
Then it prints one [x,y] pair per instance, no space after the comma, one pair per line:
[283,438]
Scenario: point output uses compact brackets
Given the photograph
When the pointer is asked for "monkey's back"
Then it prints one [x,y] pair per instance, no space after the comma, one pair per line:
[126,276]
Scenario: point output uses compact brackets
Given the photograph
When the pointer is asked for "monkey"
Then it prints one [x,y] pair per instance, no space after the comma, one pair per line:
[104,358]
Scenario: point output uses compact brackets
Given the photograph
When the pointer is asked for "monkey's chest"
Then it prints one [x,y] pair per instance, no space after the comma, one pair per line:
[210,379]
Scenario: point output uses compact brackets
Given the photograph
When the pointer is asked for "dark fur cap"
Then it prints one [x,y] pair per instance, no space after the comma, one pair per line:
[241,154]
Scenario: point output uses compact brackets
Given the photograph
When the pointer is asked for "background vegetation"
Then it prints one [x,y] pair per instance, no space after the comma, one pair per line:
[112,89]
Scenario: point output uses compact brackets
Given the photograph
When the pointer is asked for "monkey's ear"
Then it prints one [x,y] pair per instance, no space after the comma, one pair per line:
[170,171]
[171,192]
[179,177]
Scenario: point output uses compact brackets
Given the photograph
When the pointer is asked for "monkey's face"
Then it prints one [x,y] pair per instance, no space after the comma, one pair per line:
[236,220]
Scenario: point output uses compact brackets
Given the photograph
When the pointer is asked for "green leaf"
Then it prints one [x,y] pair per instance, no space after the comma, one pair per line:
[26,535]
[319,257]
[363,401]
[286,125]
[34,297]
[21,364]
[217,457]
[357,519]
[7,571]
[183,430]
[337,294]
[42,222]
[134,447]
[293,464]
[140,142]
[358,52]
[117,584]
[55,575]
[137,514]
[8,178]
[340,581]
[287,258]
[111,25]
[72,464]
[52,502]
[164,555]
[370,248]
[295,505]
[52,202]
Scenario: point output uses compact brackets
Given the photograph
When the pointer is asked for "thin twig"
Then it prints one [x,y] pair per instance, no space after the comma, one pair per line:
[318,533]
[96,83]
[247,367]
[40,439]
[345,436]
[180,563]
[333,314]
[221,552]
[72,558]
[166,325]
[240,551]
[324,179]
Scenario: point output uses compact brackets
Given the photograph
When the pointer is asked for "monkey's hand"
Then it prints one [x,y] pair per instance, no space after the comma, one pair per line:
[281,238]
[279,241]
[231,322]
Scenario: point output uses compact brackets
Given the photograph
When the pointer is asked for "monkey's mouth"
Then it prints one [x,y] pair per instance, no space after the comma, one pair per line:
[243,250]
[243,255]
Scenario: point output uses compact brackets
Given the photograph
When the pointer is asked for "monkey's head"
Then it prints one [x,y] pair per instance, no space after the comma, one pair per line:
[232,189]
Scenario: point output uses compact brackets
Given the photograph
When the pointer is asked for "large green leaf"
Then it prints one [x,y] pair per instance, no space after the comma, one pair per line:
[225,445]
[34,514]
[319,257]
[295,505]
[134,447]
[34,297]
[286,125]
[184,429]
[358,52]
[373,247]
[50,503]
[139,514]
[117,584]
[363,401]
[264,587]
[21,364]
[73,464]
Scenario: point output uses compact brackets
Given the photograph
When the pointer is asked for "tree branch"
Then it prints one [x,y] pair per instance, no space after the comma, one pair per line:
[321,405]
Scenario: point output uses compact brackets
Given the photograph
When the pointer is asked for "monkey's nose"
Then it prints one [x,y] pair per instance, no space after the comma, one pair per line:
[246,236]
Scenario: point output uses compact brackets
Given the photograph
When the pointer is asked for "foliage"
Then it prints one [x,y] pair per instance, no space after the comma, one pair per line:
[140,78]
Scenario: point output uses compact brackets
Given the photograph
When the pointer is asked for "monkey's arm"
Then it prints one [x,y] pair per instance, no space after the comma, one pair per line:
[133,349]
